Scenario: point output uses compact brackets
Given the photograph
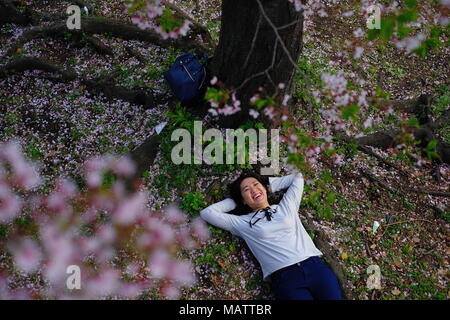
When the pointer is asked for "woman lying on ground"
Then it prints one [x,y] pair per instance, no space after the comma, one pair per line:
[275,235]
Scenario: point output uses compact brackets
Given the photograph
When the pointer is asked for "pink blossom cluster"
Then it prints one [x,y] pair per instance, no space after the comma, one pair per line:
[23,174]
[342,93]
[120,248]
[222,101]
[444,9]
[412,42]
[338,96]
[310,149]
[15,172]
[311,153]
[409,44]
[147,15]
[312,7]
[275,107]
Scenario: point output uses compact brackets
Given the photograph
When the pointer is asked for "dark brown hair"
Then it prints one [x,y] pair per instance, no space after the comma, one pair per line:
[234,190]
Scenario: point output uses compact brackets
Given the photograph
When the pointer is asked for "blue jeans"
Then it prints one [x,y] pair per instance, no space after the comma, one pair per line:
[310,279]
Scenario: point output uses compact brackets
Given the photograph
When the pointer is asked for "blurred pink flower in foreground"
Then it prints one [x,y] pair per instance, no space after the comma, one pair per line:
[151,15]
[120,247]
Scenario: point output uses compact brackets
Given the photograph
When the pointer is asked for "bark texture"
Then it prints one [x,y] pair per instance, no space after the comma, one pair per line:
[260,41]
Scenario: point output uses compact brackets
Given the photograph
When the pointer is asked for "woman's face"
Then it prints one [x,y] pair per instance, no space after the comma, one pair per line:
[253,193]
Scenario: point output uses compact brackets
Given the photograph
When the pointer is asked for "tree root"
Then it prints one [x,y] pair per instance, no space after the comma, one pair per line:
[99,46]
[10,14]
[420,107]
[134,53]
[32,63]
[407,189]
[145,154]
[365,149]
[136,96]
[104,83]
[115,28]
[386,139]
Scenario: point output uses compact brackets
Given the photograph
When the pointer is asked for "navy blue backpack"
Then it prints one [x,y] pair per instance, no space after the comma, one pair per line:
[187,76]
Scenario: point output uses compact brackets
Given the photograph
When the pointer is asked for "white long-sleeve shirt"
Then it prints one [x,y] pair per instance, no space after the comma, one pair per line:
[278,243]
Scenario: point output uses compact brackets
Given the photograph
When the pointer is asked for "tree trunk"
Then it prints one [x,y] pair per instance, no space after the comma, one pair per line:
[250,54]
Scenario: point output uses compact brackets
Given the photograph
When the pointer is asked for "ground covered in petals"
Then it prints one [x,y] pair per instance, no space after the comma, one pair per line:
[60,125]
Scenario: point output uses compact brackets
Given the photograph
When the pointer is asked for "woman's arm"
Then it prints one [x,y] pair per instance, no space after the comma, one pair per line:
[280,183]
[293,196]
[216,215]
